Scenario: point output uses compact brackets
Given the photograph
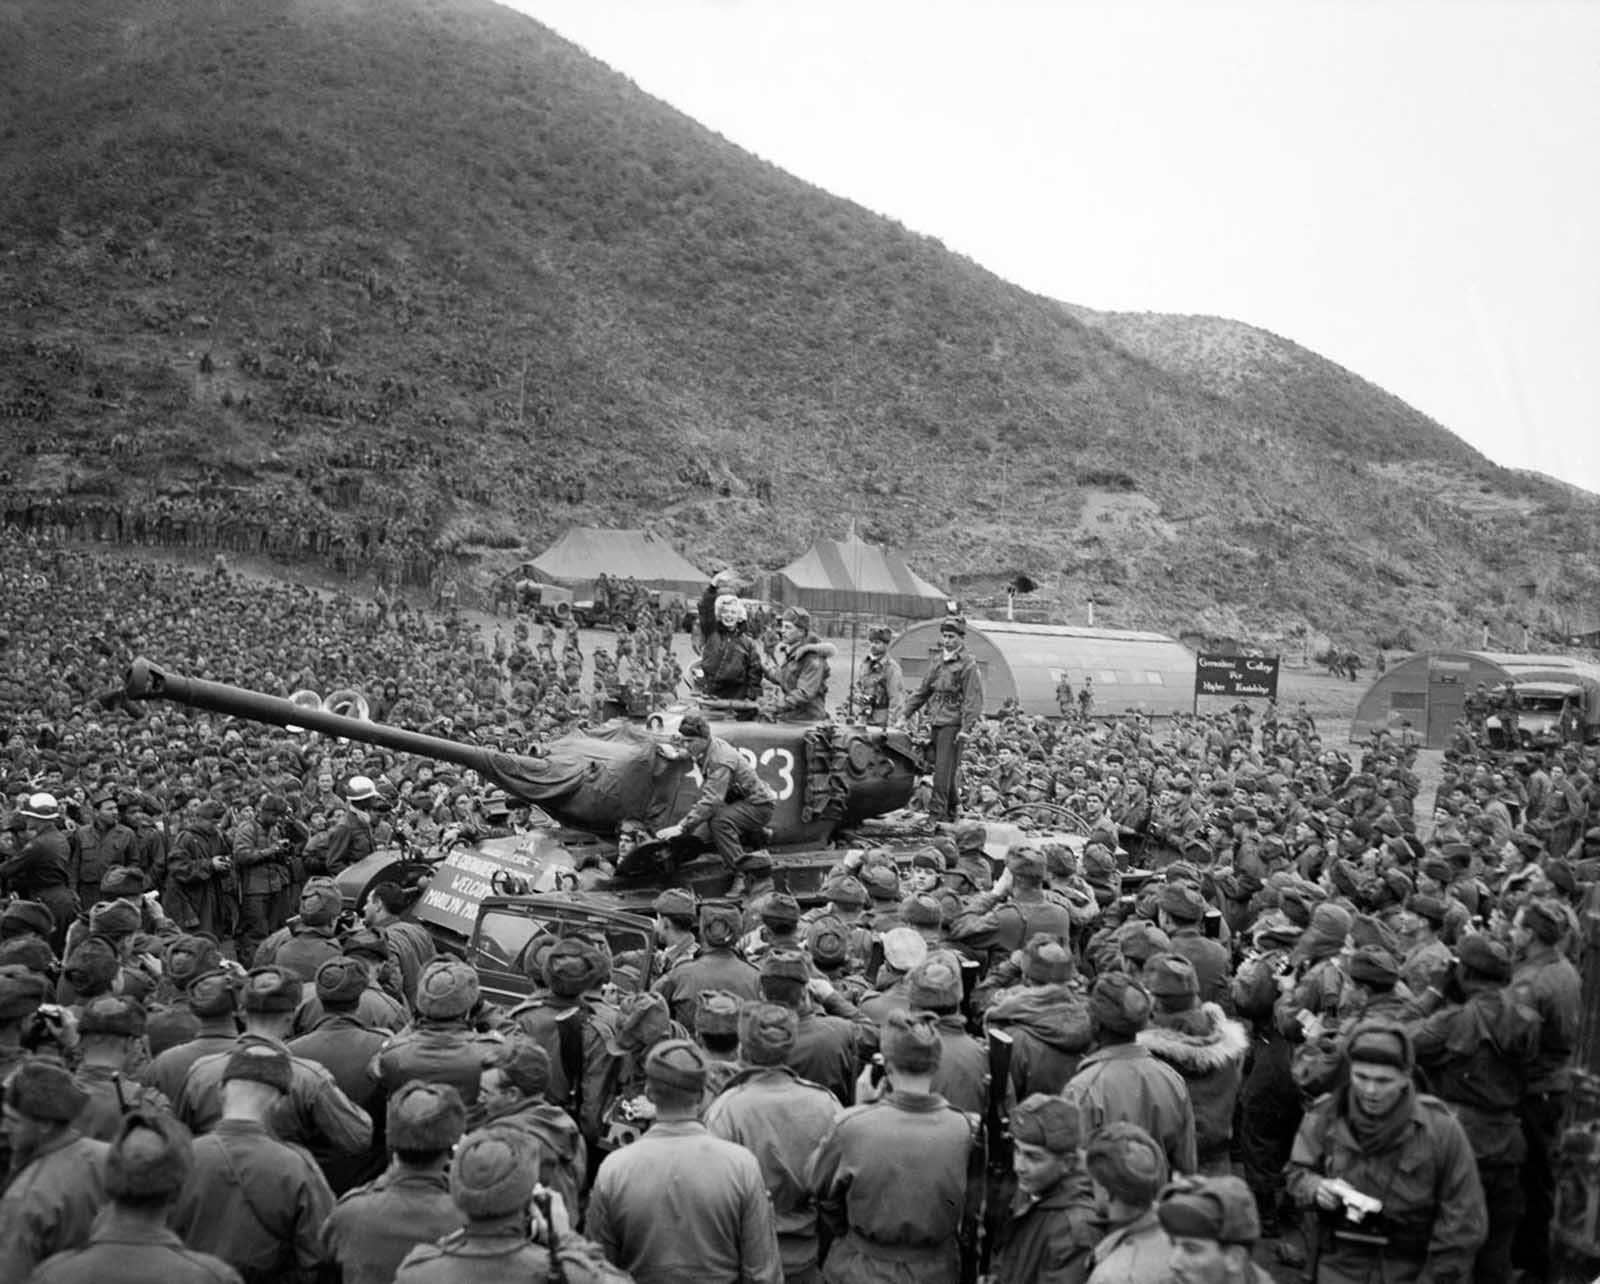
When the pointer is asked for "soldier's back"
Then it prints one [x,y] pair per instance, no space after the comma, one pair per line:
[374,1227]
[461,1258]
[140,1257]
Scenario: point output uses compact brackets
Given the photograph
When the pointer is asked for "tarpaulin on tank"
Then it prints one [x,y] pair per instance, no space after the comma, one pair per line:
[595,780]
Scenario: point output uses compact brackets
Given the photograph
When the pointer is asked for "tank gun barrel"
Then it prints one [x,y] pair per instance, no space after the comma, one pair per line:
[147,681]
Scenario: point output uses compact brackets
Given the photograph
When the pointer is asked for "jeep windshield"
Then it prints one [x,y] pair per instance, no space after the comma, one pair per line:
[513,934]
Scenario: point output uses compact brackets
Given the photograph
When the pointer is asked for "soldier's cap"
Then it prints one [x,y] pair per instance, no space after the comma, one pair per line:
[779,909]
[846,891]
[1485,957]
[970,836]
[341,981]
[26,916]
[719,925]
[272,989]
[1027,862]
[797,615]
[114,919]
[28,954]
[1172,982]
[112,1014]
[150,1158]
[1545,920]
[1330,923]
[953,624]
[526,1066]
[881,881]
[494,1171]
[1046,961]
[212,994]
[123,880]
[259,1063]
[828,943]
[910,1042]
[365,943]
[677,1065]
[45,1091]
[928,858]
[187,957]
[1182,903]
[1531,844]
[1397,886]
[1562,876]
[21,992]
[1374,933]
[767,1033]
[880,633]
[717,1012]
[320,902]
[1127,1161]
[903,948]
[1430,907]
[642,1021]
[1377,1041]
[211,810]
[1048,1121]
[1214,1208]
[1374,967]
[921,911]
[1138,940]
[675,903]
[693,726]
[425,1116]
[91,967]
[946,848]
[447,989]
[785,965]
[935,984]
[1119,1004]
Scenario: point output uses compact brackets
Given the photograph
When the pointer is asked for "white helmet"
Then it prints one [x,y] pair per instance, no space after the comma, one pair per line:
[360,789]
[41,807]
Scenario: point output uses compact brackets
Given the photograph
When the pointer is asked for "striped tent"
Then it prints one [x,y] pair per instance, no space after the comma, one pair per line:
[850,576]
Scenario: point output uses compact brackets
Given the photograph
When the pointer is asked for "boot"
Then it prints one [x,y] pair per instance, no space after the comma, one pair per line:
[737,888]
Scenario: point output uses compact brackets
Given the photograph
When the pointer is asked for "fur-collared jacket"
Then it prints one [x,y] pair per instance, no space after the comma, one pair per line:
[800,673]
[1207,1047]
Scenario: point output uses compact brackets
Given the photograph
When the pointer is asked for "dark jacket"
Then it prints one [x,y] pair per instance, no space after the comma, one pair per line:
[730,660]
[801,673]
[1050,1238]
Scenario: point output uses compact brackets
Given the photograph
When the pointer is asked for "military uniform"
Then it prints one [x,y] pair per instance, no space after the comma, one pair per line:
[1123,1081]
[891,1182]
[374,1227]
[1048,1239]
[111,1095]
[51,1203]
[576,1033]
[680,1206]
[315,1113]
[1433,1210]
[131,1252]
[493,1254]
[299,948]
[780,1118]
[254,1202]
[711,969]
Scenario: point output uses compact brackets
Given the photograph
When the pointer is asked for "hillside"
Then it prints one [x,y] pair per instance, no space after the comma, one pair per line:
[423,268]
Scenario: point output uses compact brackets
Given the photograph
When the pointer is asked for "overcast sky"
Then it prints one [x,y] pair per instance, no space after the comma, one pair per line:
[1411,189]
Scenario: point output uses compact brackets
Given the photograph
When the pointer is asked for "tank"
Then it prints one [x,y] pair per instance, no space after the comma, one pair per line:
[827,777]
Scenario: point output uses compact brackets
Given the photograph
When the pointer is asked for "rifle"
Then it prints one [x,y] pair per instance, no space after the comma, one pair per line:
[541,1201]
[996,1149]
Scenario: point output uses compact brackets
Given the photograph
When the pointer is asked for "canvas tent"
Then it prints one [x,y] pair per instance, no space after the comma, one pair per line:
[585,553]
[1149,672]
[850,576]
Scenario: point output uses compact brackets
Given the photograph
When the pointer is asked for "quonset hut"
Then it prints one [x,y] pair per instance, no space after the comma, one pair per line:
[1429,689]
[1147,672]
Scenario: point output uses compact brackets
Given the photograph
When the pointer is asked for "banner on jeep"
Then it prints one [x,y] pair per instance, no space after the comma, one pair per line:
[465,878]
[1236,675]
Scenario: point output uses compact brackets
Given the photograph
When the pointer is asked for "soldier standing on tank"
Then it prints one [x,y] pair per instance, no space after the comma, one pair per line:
[880,686]
[952,692]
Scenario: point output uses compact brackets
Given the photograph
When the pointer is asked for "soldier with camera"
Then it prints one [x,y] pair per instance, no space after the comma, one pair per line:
[1389,1172]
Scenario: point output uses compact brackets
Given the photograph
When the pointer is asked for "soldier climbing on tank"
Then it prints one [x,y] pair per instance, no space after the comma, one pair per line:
[734,804]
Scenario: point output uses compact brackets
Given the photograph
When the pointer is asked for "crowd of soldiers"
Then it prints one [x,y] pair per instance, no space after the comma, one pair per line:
[1274,1005]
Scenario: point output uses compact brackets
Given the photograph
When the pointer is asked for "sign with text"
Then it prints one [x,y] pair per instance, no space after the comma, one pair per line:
[466,876]
[1236,675]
